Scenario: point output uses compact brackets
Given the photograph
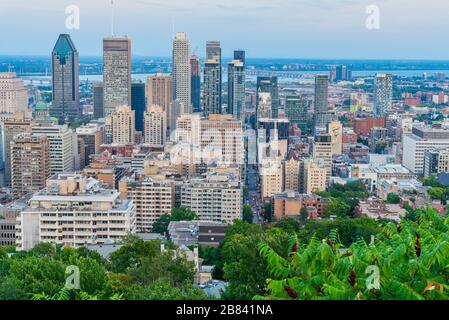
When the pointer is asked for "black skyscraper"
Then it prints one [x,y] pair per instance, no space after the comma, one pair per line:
[138,103]
[65,68]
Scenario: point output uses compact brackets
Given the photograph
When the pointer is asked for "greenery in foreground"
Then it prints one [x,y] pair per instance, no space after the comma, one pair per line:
[137,271]
[412,258]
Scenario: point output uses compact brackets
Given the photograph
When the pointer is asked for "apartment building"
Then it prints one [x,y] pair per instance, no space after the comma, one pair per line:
[74,211]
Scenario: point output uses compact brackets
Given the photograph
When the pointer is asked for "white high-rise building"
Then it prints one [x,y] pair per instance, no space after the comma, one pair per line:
[123,125]
[214,198]
[383,93]
[322,150]
[62,147]
[420,140]
[181,73]
[116,73]
[13,96]
[74,211]
[155,126]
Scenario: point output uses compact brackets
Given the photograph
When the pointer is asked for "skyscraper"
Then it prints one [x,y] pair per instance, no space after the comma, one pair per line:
[138,103]
[240,55]
[383,93]
[236,89]
[296,110]
[269,85]
[98,99]
[196,83]
[182,72]
[116,73]
[65,77]
[159,92]
[321,93]
[212,79]
[321,103]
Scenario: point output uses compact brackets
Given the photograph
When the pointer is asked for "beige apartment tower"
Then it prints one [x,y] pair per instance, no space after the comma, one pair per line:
[11,128]
[13,96]
[155,126]
[159,92]
[123,125]
[30,164]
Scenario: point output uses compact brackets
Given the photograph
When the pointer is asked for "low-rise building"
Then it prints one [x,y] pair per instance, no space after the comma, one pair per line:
[74,211]
[289,204]
[378,210]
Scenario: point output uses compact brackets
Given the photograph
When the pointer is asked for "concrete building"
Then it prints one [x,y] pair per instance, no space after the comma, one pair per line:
[292,166]
[159,92]
[152,195]
[264,106]
[289,204]
[116,73]
[271,175]
[63,147]
[313,176]
[92,139]
[19,124]
[372,173]
[181,72]
[123,125]
[30,164]
[296,110]
[322,150]
[335,130]
[65,80]
[74,211]
[214,198]
[219,138]
[422,139]
[155,127]
[13,96]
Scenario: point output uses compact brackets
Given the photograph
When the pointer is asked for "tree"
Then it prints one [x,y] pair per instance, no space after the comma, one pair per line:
[163,289]
[350,230]
[411,260]
[183,214]
[243,268]
[177,214]
[431,181]
[437,193]
[288,224]
[247,213]
[267,212]
[161,224]
[303,214]
[393,198]
[337,207]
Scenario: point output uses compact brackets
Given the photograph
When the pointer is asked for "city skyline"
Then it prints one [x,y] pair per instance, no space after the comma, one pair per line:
[295,29]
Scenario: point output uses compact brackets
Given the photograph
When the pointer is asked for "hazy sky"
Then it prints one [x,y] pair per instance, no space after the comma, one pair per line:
[409,29]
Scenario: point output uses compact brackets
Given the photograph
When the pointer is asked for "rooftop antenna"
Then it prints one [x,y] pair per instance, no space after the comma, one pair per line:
[112,18]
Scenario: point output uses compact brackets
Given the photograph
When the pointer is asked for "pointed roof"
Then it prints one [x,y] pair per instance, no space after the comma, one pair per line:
[64,45]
